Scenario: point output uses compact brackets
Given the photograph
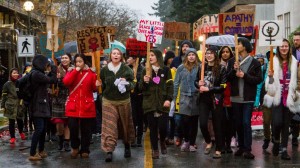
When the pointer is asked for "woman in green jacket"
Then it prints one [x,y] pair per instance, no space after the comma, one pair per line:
[157,91]
[12,105]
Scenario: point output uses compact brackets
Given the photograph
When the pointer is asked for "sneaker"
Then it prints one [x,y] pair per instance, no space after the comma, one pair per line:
[169,142]
[275,149]
[43,154]
[22,135]
[248,155]
[155,154]
[127,153]
[192,148]
[217,155]
[67,146]
[12,140]
[233,142]
[185,147]
[163,147]
[178,142]
[266,144]
[36,157]
[74,153]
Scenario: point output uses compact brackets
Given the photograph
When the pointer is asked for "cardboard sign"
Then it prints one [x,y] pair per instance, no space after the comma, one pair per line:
[236,23]
[177,30]
[95,38]
[150,31]
[206,24]
[136,48]
[42,39]
[257,120]
[271,33]
[26,47]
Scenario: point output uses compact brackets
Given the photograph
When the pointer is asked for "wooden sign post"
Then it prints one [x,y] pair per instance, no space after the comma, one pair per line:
[203,58]
[236,43]
[148,65]
[176,47]
[137,61]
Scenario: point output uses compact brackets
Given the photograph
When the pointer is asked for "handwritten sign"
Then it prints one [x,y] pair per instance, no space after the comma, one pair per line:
[177,30]
[206,24]
[95,38]
[136,48]
[150,31]
[236,23]
[42,39]
[270,33]
[257,120]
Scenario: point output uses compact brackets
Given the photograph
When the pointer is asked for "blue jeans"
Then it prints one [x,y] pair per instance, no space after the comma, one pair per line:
[242,118]
[178,125]
[39,134]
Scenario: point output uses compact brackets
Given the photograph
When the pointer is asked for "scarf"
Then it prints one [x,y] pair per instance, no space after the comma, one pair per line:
[113,68]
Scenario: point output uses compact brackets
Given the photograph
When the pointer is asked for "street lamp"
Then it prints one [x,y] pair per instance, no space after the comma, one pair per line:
[201,38]
[28,7]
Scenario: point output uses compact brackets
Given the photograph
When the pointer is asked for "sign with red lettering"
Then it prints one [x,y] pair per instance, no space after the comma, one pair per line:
[95,38]
[206,24]
[136,48]
[177,30]
[236,23]
[150,31]
[257,120]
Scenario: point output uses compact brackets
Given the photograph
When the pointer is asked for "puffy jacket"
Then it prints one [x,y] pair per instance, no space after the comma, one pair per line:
[80,103]
[40,103]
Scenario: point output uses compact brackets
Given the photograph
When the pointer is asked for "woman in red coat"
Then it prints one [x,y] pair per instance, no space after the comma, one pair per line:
[80,106]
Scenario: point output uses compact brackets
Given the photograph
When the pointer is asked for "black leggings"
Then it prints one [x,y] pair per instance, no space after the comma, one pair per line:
[157,124]
[12,126]
[228,126]
[217,117]
[190,128]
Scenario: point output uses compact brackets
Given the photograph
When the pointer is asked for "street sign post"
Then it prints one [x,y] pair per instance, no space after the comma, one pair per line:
[26,46]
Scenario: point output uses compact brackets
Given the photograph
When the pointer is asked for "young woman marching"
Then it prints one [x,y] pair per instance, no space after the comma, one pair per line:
[185,76]
[80,105]
[14,107]
[117,83]
[157,91]
[211,100]
[282,96]
[58,104]
[229,132]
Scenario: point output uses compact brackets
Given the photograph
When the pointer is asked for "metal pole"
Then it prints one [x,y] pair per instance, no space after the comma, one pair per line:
[29,26]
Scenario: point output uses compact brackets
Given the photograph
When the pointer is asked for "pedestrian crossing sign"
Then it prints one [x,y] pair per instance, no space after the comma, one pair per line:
[26,46]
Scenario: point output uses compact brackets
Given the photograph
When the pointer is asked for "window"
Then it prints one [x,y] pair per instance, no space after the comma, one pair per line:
[287,24]
[279,17]
[1,18]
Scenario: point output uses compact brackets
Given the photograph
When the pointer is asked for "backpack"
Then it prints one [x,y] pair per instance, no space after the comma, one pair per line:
[24,87]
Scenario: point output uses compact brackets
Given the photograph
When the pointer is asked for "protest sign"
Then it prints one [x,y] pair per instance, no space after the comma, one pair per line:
[150,31]
[95,38]
[177,30]
[236,23]
[136,48]
[271,33]
[42,39]
[206,24]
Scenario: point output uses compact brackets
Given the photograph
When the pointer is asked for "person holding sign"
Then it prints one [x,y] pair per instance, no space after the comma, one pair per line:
[80,106]
[211,100]
[244,76]
[117,83]
[157,91]
[185,76]
[282,96]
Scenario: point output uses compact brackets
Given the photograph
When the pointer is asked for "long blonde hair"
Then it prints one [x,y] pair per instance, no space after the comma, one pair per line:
[190,65]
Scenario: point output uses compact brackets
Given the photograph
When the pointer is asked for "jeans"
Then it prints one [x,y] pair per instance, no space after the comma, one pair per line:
[157,124]
[12,127]
[242,119]
[190,125]
[38,137]
[137,114]
[267,116]
[178,125]
[228,126]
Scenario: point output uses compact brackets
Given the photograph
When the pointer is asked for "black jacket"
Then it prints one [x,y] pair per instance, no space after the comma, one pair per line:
[178,60]
[217,89]
[294,52]
[251,79]
[39,104]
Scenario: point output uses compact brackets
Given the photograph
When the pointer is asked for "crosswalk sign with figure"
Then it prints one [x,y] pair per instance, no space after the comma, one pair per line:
[26,46]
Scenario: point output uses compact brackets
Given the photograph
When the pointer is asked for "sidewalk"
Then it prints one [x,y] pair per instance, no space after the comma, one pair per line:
[3,127]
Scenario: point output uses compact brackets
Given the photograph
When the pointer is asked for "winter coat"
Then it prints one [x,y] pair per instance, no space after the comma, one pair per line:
[80,103]
[110,90]
[274,90]
[14,107]
[178,60]
[40,103]
[251,79]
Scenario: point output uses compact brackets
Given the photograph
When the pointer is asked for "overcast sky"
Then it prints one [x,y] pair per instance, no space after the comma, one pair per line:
[141,6]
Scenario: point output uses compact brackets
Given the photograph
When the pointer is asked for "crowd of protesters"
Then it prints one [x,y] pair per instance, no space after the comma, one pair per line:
[172,97]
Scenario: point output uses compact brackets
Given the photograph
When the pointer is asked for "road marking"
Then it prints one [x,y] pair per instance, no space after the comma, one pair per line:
[148,162]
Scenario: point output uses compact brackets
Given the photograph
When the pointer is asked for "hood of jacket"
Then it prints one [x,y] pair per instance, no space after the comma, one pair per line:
[189,43]
[39,62]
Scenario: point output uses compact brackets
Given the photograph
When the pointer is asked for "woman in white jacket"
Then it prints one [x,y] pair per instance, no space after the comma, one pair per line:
[281,96]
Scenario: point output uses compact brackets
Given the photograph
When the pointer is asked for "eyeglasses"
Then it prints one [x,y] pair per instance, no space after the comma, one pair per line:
[208,53]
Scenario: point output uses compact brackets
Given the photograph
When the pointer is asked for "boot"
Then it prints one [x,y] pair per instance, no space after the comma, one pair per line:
[275,149]
[163,147]
[67,145]
[60,142]
[266,144]
[108,157]
[74,153]
[127,152]
[285,156]
[139,141]
[155,154]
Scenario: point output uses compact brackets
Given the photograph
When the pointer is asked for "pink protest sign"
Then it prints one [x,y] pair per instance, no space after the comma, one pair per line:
[150,31]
